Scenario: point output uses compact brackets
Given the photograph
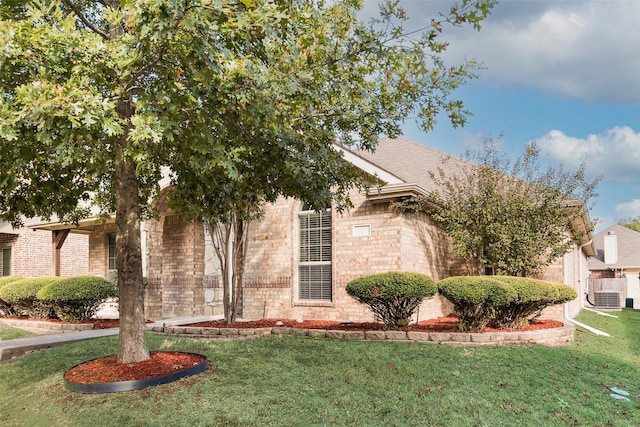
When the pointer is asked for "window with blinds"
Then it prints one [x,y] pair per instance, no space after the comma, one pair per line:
[314,263]
[111,257]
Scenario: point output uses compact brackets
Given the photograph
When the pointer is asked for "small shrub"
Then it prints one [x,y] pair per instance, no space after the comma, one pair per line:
[6,309]
[21,295]
[532,297]
[77,298]
[475,299]
[393,296]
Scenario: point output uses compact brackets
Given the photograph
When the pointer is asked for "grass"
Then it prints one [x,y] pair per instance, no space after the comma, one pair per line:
[10,333]
[298,381]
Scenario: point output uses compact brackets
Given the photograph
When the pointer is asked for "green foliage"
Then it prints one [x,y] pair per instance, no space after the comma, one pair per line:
[532,297]
[6,309]
[476,299]
[77,298]
[514,217]
[392,296]
[631,223]
[21,295]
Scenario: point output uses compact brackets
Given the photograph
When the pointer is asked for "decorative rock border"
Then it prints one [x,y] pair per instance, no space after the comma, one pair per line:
[548,337]
[44,325]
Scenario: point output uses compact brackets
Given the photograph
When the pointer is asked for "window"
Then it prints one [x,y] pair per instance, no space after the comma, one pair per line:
[111,258]
[314,263]
[6,262]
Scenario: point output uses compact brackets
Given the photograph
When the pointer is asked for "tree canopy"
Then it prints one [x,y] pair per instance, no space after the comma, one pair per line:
[99,99]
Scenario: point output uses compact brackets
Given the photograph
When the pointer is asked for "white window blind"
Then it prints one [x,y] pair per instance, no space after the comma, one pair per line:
[314,263]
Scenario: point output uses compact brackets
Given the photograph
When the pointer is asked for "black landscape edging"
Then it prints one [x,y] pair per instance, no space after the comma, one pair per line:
[118,386]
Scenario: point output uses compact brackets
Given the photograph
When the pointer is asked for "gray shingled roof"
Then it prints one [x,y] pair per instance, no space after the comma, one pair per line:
[628,249]
[410,161]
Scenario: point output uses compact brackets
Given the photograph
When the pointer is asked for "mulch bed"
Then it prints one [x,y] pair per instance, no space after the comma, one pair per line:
[440,324]
[107,369]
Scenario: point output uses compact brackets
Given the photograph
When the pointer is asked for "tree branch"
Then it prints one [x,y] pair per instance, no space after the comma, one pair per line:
[84,20]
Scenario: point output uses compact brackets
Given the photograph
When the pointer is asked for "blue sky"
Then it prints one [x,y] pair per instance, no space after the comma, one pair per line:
[563,73]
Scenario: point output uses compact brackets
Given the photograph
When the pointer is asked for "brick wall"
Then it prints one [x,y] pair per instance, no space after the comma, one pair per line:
[395,242]
[32,253]
[175,262]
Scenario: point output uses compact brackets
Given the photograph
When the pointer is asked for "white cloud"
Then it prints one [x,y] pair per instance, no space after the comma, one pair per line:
[587,49]
[614,154]
[629,209]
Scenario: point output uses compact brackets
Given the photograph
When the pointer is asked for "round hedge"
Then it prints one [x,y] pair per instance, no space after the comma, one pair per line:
[392,296]
[77,298]
[533,296]
[475,299]
[6,309]
[21,295]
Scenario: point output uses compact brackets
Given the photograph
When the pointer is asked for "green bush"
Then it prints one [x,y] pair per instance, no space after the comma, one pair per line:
[532,297]
[392,296]
[475,299]
[6,309]
[21,295]
[77,298]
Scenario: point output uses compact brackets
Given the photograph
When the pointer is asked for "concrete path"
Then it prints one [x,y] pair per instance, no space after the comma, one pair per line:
[12,349]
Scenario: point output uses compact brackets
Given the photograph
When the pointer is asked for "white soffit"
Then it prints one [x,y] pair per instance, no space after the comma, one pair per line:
[368,167]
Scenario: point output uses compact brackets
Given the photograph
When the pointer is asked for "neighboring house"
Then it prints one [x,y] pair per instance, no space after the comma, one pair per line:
[29,252]
[299,261]
[614,279]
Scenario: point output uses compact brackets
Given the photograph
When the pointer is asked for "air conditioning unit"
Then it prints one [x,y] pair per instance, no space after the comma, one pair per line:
[608,299]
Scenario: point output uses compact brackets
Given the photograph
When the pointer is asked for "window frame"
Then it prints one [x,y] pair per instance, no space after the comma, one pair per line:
[314,257]
[111,258]
[6,266]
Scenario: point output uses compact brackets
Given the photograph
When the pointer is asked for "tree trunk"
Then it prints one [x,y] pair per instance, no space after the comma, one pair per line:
[129,252]
[230,242]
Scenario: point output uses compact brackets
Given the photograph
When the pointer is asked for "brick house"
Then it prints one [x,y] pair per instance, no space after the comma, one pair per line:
[299,261]
[614,272]
[30,252]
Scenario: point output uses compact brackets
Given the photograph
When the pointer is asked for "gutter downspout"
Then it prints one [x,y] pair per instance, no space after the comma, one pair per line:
[566,308]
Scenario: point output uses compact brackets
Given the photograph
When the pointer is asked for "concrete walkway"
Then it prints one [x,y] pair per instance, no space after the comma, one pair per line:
[12,349]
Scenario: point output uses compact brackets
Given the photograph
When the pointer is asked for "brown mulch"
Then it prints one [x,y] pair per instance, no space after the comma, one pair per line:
[107,369]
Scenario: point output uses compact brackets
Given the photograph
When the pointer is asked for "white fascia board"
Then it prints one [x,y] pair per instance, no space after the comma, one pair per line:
[368,167]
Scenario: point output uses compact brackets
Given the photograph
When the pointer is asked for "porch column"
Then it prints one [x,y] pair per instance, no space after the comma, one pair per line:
[58,238]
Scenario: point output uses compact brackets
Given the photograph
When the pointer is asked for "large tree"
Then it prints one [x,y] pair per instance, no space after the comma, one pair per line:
[99,97]
[515,217]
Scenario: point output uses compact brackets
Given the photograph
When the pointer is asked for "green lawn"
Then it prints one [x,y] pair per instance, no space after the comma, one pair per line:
[9,333]
[301,381]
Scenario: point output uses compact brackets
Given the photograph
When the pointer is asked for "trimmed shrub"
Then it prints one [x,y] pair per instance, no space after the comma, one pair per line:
[475,299]
[6,309]
[77,298]
[21,295]
[533,296]
[392,296]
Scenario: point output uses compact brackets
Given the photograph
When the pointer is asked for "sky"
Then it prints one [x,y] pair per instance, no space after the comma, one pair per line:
[564,74]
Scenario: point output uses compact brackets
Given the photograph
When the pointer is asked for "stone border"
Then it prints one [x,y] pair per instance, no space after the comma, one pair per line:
[548,337]
[54,327]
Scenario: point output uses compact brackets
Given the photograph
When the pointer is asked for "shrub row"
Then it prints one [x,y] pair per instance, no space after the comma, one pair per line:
[73,298]
[501,301]
[498,301]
